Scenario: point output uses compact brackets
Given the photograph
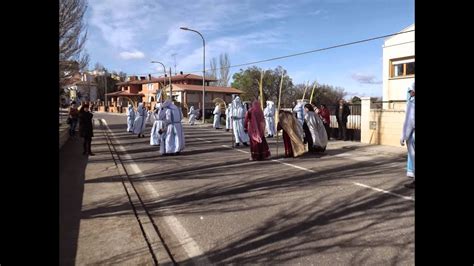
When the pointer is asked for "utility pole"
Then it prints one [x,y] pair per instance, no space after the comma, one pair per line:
[171,87]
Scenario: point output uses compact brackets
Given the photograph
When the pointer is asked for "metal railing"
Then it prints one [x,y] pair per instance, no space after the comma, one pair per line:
[353,121]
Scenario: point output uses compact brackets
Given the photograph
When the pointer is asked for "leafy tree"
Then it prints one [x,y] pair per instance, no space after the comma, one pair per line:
[247,81]
[355,100]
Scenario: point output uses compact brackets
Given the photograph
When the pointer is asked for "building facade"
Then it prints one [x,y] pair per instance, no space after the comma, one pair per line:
[185,90]
[398,68]
[383,124]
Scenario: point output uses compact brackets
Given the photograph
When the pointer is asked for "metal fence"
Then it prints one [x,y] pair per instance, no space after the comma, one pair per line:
[353,122]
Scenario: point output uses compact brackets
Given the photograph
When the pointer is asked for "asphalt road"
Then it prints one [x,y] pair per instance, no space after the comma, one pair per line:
[347,206]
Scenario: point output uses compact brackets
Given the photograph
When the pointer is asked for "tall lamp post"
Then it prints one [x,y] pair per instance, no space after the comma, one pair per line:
[106,91]
[203,71]
[164,73]
[104,73]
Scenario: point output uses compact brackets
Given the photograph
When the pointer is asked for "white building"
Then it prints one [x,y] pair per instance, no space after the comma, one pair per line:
[384,125]
[398,67]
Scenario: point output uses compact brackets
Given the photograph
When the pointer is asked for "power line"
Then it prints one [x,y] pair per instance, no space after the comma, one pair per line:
[297,54]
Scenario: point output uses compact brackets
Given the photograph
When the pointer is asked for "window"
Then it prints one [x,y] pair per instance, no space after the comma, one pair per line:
[402,67]
[410,68]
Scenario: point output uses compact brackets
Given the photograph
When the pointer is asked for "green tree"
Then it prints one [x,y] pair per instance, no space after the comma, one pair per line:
[247,81]
[355,100]
[327,94]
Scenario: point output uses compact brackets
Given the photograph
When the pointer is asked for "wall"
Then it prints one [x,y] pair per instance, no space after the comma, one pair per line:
[381,126]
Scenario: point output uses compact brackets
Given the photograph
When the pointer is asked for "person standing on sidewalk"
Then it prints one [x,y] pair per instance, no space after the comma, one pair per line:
[408,135]
[342,112]
[73,116]
[86,129]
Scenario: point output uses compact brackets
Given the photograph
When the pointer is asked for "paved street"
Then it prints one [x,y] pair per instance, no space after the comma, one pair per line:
[212,205]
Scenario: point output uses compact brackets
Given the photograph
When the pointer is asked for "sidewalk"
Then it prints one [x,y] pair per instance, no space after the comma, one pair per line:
[97,222]
[368,148]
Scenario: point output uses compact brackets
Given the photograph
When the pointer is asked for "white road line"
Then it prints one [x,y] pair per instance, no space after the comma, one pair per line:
[355,183]
[384,191]
[187,242]
[295,166]
[205,140]
[343,155]
[227,146]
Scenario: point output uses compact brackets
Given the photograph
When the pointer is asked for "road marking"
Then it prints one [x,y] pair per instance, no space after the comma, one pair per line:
[227,146]
[339,155]
[187,242]
[205,140]
[343,155]
[295,166]
[384,191]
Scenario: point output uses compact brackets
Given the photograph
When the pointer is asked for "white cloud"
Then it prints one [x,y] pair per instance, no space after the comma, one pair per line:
[121,22]
[365,79]
[132,55]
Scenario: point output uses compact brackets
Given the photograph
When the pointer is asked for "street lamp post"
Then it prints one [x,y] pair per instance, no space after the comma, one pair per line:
[106,91]
[164,73]
[203,71]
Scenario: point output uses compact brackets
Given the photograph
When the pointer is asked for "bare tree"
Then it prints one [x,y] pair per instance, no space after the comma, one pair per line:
[72,37]
[213,64]
[123,76]
[224,63]
[99,67]
[100,80]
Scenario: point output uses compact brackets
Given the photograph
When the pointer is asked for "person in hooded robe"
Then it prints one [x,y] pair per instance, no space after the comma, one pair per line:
[192,115]
[299,110]
[408,135]
[217,117]
[139,124]
[238,116]
[150,118]
[269,114]
[254,124]
[173,142]
[292,134]
[159,116]
[228,117]
[315,133]
[130,117]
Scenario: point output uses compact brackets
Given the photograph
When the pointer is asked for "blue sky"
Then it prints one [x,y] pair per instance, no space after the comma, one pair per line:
[125,35]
